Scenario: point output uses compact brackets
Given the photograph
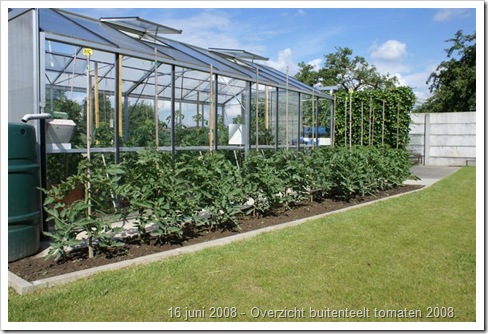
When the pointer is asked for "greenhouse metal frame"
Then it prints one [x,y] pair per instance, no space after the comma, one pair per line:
[131,60]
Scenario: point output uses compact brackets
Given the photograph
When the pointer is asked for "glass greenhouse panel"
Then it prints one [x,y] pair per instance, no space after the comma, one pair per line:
[52,21]
[287,118]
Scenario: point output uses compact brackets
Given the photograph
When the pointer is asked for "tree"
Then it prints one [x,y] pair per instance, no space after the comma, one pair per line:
[453,84]
[349,72]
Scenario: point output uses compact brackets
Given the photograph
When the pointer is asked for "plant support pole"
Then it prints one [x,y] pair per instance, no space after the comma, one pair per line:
[88,52]
[173,111]
[286,111]
[257,109]
[211,114]
[313,120]
[277,119]
[362,123]
[370,122]
[266,108]
[345,122]
[350,118]
[383,126]
[95,98]
[398,123]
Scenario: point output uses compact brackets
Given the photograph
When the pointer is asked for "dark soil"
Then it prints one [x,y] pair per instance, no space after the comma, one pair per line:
[32,268]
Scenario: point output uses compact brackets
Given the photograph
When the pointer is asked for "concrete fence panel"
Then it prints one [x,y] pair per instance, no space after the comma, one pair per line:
[444,139]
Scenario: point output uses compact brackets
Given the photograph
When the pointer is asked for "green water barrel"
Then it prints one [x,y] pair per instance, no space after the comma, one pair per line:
[24,201]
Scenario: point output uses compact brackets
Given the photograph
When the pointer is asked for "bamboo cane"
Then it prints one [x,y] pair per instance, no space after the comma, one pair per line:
[198,109]
[211,114]
[95,98]
[257,109]
[119,107]
[398,123]
[266,108]
[370,122]
[286,110]
[345,122]
[88,53]
[156,117]
[350,118]
[383,126]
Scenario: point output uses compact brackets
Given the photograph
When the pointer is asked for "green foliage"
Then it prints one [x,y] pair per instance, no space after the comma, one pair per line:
[366,170]
[170,197]
[341,68]
[262,183]
[73,218]
[367,114]
[453,84]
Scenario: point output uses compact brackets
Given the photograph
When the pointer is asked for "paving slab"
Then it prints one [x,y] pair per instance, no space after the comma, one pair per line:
[428,175]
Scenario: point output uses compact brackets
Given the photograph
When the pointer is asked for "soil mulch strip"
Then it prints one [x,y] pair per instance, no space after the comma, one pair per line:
[32,268]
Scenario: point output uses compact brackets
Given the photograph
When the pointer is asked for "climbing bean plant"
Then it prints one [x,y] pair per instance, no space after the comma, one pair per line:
[379,117]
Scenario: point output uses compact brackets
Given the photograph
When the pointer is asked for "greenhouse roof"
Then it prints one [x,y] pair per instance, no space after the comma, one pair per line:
[142,43]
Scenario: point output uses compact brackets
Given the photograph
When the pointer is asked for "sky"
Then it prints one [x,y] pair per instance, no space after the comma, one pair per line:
[406,42]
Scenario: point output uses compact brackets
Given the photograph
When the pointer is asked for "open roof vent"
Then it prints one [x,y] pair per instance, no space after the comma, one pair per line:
[134,25]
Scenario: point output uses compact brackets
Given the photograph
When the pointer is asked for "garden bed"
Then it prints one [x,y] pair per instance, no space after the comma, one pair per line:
[33,268]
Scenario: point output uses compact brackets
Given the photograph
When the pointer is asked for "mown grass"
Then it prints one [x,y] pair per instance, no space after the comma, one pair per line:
[412,252]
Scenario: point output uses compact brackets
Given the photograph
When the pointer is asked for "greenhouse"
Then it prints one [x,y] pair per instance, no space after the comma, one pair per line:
[143,89]
[114,126]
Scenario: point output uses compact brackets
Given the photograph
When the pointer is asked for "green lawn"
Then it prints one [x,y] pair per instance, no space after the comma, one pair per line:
[401,257]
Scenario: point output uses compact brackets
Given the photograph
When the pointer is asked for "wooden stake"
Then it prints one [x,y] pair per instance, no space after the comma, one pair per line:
[286,110]
[398,123]
[372,129]
[370,122]
[257,109]
[266,108]
[156,100]
[198,109]
[345,122]
[211,114]
[119,107]
[95,98]
[362,123]
[88,53]
[383,126]
[350,118]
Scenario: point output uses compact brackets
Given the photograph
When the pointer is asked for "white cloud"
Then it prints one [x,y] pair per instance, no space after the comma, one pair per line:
[284,61]
[301,12]
[315,63]
[451,13]
[391,50]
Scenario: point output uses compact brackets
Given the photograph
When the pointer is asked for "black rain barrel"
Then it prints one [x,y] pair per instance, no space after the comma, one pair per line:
[24,201]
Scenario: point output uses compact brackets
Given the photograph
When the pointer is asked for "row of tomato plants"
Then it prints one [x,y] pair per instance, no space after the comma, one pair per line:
[167,198]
